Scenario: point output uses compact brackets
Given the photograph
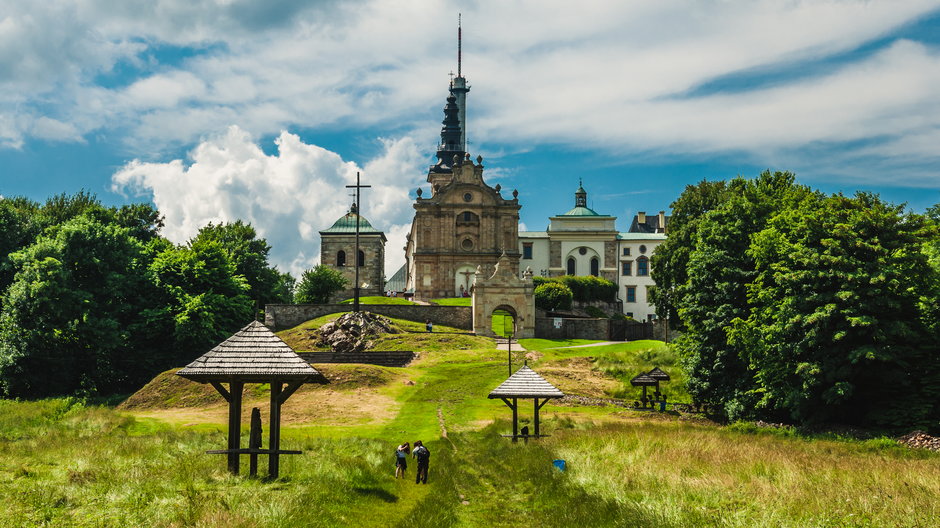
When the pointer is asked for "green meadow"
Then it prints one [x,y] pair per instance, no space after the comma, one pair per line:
[66,462]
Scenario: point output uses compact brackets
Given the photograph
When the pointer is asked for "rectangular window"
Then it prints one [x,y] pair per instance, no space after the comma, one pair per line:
[631,294]
[642,267]
[630,315]
[626,252]
[626,268]
[527,251]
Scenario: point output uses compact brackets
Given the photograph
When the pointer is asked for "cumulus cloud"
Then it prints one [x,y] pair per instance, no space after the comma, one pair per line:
[288,196]
[594,74]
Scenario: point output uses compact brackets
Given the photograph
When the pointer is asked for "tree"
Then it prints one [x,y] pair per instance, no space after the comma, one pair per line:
[249,254]
[318,284]
[553,296]
[839,329]
[64,325]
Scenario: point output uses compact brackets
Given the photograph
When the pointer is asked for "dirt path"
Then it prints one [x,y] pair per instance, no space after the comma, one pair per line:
[602,343]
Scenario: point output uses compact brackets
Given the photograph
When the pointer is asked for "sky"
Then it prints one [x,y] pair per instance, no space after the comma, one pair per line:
[265,110]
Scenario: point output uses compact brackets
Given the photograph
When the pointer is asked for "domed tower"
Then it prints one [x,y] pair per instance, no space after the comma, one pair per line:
[338,251]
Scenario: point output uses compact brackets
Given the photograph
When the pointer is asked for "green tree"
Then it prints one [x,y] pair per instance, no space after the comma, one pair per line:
[318,284]
[201,299]
[553,296]
[18,229]
[249,253]
[64,325]
[839,327]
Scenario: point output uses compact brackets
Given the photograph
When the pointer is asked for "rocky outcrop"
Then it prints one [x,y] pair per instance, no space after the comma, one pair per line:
[354,332]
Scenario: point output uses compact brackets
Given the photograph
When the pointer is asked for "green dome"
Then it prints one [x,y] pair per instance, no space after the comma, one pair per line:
[581,211]
[347,224]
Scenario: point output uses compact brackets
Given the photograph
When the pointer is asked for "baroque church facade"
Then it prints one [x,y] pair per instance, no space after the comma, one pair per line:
[463,224]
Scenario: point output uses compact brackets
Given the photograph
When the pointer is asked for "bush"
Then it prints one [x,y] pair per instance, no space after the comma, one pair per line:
[594,311]
[553,296]
[583,289]
[317,285]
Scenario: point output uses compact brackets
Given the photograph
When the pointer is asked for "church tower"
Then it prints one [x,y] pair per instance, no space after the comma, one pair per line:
[463,224]
[338,251]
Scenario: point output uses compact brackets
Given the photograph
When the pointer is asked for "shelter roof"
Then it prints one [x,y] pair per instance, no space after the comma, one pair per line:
[643,379]
[525,383]
[658,374]
[253,354]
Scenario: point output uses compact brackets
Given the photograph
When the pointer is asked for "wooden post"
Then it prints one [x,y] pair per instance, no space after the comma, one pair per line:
[515,419]
[536,400]
[234,423]
[274,442]
[254,441]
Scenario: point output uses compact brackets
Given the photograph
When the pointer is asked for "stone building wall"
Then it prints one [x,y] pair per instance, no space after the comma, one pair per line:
[371,273]
[572,328]
[282,316]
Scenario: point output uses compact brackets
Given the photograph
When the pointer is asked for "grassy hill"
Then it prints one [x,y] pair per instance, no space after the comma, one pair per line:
[63,463]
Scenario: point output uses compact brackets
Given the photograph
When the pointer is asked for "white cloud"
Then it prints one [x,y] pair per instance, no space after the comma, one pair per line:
[592,74]
[288,197]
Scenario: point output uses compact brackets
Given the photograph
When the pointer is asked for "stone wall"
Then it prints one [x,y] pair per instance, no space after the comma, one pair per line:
[572,328]
[281,316]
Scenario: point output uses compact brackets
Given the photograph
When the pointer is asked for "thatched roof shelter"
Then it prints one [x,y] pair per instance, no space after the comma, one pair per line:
[658,374]
[644,380]
[525,383]
[252,355]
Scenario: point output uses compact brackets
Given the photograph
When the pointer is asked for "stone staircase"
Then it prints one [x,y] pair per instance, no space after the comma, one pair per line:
[385,358]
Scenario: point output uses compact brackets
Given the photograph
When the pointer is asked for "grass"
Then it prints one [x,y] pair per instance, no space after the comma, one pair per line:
[379,299]
[65,463]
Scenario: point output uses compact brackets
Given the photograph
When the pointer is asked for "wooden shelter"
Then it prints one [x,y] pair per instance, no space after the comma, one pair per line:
[524,384]
[252,355]
[644,380]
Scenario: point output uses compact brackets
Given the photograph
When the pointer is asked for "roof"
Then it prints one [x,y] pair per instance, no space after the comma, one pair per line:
[525,383]
[658,374]
[643,379]
[253,354]
[651,225]
[347,224]
[397,282]
[641,236]
[582,211]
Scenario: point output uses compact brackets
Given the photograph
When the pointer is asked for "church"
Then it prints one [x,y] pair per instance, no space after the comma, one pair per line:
[462,224]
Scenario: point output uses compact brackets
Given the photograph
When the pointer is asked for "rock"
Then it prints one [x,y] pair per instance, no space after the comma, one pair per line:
[920,440]
[408,382]
[352,332]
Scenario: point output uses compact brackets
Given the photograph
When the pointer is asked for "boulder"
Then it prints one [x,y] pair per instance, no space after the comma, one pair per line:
[353,332]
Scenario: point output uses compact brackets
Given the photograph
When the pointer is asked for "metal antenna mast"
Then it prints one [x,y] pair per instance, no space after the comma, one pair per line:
[459,43]
[358,208]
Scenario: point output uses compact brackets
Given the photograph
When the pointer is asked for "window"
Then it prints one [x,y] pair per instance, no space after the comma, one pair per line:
[582,250]
[595,267]
[362,258]
[340,258]
[467,197]
[631,294]
[643,249]
[626,268]
[626,252]
[468,216]
[527,250]
[642,267]
[629,314]
[466,244]
[571,269]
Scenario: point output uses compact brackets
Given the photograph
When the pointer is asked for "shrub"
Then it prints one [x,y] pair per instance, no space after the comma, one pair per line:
[594,311]
[317,285]
[590,288]
[553,296]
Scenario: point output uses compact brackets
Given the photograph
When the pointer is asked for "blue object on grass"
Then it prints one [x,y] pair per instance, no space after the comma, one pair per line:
[559,464]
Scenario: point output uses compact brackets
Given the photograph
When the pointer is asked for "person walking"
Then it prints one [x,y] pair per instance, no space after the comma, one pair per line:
[429,326]
[401,459]
[423,456]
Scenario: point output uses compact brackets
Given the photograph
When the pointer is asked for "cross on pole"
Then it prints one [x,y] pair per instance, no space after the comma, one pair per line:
[358,203]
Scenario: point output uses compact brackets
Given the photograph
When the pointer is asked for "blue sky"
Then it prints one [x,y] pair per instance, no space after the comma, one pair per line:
[264,110]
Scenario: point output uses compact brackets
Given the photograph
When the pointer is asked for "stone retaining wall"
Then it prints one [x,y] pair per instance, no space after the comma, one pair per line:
[572,328]
[385,358]
[281,316]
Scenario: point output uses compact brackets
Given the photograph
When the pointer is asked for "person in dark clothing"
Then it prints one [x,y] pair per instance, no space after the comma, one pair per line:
[429,326]
[423,456]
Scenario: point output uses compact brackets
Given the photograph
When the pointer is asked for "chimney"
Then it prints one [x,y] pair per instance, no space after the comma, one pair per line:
[662,222]
[641,217]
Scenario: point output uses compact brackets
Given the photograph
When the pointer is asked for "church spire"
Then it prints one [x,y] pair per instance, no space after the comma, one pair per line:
[459,88]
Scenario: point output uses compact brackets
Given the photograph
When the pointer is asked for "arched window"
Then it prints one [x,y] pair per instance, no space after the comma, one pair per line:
[642,266]
[595,267]
[571,266]
[340,258]
[362,258]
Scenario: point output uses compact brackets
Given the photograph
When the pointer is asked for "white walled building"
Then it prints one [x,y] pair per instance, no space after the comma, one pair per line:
[584,242]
